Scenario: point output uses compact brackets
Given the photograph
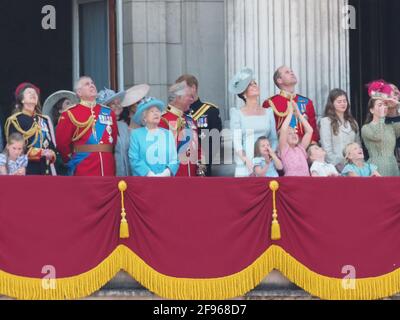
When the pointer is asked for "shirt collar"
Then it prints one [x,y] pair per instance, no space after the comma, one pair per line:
[89,104]
[288,95]
[175,110]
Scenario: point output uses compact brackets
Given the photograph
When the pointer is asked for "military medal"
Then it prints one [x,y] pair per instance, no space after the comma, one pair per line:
[205,122]
[109,131]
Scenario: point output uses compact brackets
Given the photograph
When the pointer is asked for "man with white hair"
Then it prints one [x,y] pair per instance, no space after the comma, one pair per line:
[184,129]
[87,134]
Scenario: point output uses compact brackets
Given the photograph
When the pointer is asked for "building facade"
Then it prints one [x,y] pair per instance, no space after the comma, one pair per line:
[125,42]
[213,39]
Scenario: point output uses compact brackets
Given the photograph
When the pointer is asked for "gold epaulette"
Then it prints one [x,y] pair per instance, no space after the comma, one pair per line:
[212,105]
[33,131]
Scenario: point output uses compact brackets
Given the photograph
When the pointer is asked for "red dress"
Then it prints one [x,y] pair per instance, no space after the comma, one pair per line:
[279,104]
[184,129]
[80,127]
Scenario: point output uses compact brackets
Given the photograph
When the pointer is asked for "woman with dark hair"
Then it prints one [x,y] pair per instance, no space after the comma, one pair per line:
[380,138]
[338,128]
[250,122]
[36,129]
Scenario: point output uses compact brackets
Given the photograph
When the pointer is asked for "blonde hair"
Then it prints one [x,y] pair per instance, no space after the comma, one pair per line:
[347,150]
[12,138]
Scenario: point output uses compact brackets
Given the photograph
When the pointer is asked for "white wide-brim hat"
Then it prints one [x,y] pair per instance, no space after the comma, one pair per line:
[57,96]
[135,94]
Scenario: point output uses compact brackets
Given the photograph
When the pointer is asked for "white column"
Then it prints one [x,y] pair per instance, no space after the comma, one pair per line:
[304,34]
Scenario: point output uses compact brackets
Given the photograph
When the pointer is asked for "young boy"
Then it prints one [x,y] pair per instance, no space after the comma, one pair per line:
[319,167]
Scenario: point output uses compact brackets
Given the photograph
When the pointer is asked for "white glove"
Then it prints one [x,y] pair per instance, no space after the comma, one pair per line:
[165,173]
[151,174]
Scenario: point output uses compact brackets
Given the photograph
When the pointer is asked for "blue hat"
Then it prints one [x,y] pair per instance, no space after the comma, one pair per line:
[106,96]
[241,81]
[146,104]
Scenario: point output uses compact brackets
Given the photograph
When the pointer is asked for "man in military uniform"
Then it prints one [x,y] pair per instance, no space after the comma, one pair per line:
[286,81]
[184,128]
[208,121]
[87,133]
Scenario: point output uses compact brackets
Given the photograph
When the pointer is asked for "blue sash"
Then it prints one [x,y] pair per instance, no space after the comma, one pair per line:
[302,104]
[78,157]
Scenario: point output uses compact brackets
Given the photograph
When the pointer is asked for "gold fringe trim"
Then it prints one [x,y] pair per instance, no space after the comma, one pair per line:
[75,287]
[232,286]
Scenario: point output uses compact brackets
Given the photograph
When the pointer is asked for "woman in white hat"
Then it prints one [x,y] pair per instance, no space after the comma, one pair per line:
[131,99]
[118,103]
[152,150]
[250,122]
[53,107]
[57,103]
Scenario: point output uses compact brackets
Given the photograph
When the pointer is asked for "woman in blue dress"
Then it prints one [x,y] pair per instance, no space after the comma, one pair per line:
[152,150]
[250,122]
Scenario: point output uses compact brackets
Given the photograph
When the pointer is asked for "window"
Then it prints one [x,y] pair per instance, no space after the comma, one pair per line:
[95,41]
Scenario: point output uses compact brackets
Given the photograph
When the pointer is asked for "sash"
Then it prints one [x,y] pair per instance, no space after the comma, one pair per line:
[99,129]
[302,104]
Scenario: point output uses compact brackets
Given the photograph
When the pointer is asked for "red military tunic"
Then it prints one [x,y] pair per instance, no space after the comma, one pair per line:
[76,126]
[189,152]
[280,103]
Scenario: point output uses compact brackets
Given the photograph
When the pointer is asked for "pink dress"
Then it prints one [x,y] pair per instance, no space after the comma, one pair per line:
[294,161]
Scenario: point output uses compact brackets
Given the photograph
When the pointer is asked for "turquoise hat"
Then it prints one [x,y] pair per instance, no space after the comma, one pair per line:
[146,104]
[241,81]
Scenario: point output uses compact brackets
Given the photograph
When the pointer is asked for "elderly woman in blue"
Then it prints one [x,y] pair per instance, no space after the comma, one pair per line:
[152,150]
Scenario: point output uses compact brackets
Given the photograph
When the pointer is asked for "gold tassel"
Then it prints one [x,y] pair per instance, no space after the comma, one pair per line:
[275,227]
[124,228]
[275,230]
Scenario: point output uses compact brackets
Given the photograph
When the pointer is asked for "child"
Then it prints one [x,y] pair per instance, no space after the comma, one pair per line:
[319,167]
[292,150]
[265,160]
[356,166]
[13,161]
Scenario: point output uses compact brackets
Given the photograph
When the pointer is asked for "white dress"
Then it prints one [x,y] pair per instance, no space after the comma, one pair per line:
[246,130]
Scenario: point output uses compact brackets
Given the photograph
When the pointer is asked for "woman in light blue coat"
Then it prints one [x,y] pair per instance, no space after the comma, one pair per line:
[152,150]
[250,122]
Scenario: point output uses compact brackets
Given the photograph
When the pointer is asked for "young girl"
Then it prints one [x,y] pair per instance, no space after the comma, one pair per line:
[265,161]
[292,150]
[13,161]
[356,165]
